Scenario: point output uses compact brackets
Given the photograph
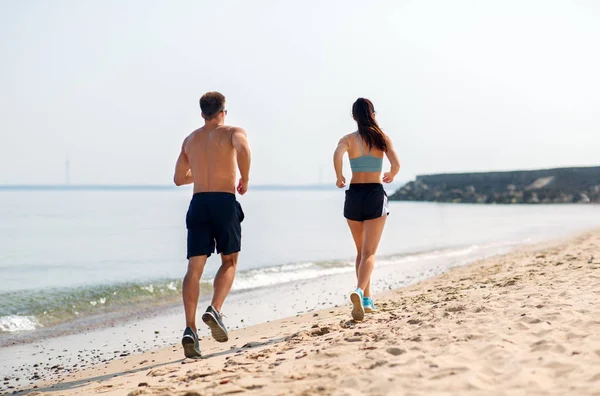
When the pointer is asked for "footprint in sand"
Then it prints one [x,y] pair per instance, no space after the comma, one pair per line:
[449,371]
[162,371]
[195,376]
[320,331]
[395,351]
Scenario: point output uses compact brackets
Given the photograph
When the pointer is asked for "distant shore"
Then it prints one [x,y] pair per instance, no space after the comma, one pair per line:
[524,322]
[546,186]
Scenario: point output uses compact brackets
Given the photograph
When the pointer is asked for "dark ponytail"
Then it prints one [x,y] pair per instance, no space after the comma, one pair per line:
[364,115]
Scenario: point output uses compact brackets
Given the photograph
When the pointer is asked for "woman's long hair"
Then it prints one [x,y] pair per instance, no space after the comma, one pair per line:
[364,115]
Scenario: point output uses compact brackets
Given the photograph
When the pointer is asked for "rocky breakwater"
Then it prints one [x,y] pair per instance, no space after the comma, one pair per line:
[563,185]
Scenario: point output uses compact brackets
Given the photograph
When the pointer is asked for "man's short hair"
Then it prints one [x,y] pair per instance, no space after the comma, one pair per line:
[211,104]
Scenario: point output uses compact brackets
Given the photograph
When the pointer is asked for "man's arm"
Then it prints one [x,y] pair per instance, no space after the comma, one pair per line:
[392,156]
[239,138]
[338,162]
[183,174]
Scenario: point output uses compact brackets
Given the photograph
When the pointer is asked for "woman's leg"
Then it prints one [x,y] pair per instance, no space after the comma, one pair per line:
[372,235]
[357,230]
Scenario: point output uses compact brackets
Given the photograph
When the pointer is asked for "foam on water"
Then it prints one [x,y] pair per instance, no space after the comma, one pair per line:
[12,323]
[26,309]
[271,276]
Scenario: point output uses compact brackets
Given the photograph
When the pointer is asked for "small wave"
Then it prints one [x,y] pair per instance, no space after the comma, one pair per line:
[11,323]
[269,276]
[149,288]
[27,308]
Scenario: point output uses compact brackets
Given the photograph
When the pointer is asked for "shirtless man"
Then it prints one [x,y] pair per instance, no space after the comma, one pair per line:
[208,159]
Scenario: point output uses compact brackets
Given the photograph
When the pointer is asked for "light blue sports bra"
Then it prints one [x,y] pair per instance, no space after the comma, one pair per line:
[366,162]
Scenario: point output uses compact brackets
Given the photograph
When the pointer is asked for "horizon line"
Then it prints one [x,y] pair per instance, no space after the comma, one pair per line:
[144,186]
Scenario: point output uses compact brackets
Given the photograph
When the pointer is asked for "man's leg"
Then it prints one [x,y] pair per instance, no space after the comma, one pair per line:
[224,279]
[222,285]
[228,237]
[191,289]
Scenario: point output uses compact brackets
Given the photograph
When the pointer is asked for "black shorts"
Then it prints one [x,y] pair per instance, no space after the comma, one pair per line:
[214,220]
[365,201]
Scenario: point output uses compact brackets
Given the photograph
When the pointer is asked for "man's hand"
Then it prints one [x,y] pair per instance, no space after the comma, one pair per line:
[388,177]
[242,186]
[341,182]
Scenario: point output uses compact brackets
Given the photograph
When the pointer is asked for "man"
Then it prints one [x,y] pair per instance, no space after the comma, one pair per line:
[208,159]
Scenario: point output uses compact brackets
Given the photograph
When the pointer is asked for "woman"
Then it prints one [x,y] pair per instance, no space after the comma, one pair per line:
[366,206]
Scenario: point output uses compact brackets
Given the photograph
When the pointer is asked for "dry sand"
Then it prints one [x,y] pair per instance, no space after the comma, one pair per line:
[523,323]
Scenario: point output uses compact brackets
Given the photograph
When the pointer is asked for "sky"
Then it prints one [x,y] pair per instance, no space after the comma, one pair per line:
[113,85]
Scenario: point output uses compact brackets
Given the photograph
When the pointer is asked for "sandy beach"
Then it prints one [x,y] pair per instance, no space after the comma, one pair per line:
[521,323]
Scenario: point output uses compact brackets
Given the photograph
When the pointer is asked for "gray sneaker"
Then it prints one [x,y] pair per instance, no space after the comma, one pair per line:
[214,320]
[191,346]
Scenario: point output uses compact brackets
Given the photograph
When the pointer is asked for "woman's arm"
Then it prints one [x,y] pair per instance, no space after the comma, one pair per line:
[392,156]
[338,161]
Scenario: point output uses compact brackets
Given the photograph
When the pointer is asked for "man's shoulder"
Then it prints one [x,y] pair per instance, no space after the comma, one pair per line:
[190,136]
[233,131]
[195,132]
[233,128]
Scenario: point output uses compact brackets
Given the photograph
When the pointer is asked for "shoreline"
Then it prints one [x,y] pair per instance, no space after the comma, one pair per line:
[100,342]
[124,314]
[413,338]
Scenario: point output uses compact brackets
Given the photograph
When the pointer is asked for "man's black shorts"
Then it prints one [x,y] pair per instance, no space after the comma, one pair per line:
[214,220]
[366,201]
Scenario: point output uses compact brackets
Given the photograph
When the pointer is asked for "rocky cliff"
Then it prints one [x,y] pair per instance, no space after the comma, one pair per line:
[564,185]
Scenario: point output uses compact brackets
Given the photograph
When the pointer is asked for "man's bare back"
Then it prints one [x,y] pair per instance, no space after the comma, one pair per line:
[210,154]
